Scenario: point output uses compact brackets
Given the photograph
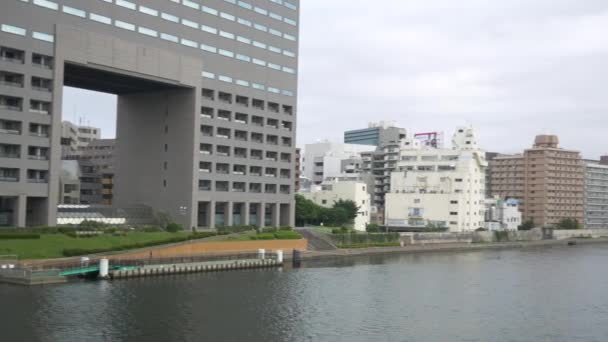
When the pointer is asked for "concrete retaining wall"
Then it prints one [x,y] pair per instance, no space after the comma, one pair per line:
[579,233]
[535,234]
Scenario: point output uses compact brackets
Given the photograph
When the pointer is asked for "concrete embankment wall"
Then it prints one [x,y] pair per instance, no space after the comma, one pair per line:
[198,248]
[580,233]
[511,236]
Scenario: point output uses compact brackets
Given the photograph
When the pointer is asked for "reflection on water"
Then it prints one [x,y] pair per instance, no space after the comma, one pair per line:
[545,294]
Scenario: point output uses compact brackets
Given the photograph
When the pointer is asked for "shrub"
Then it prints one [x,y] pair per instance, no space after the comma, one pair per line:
[19,236]
[367,245]
[174,227]
[235,229]
[287,235]
[372,228]
[285,228]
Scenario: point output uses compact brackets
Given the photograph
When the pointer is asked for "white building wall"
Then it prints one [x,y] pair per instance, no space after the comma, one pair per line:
[354,191]
[439,186]
[331,155]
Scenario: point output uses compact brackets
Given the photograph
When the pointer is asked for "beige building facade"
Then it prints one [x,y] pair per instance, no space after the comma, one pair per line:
[546,179]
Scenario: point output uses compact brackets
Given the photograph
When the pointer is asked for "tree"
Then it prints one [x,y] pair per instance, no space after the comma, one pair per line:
[347,210]
[529,224]
[568,223]
[307,212]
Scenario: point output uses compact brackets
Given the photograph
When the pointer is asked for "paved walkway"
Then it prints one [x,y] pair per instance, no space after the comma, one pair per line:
[316,240]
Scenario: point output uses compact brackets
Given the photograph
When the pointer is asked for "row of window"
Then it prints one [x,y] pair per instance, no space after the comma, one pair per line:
[226,115]
[18,56]
[168,37]
[242,170]
[247,84]
[14,151]
[23,32]
[16,80]
[241,4]
[33,176]
[210,94]
[225,186]
[238,135]
[16,104]
[202,27]
[280,2]
[241,152]
[15,127]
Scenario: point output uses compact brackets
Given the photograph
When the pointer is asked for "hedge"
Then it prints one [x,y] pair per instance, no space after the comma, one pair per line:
[374,244]
[19,236]
[69,252]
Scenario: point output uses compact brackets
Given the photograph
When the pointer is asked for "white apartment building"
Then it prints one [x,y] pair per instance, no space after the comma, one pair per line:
[325,159]
[596,193]
[502,215]
[330,192]
[438,187]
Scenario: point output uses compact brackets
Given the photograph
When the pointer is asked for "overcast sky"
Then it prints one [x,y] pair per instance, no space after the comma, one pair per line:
[512,69]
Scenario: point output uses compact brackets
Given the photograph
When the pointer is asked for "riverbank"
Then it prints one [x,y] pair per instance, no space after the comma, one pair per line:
[447,247]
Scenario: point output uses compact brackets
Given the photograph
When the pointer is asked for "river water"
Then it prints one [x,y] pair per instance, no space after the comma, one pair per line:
[534,294]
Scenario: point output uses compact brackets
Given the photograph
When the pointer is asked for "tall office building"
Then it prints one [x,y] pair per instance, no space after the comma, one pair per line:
[547,180]
[376,134]
[206,112]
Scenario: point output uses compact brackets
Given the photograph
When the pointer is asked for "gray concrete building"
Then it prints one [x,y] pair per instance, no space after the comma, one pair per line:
[376,134]
[75,137]
[596,193]
[96,164]
[206,113]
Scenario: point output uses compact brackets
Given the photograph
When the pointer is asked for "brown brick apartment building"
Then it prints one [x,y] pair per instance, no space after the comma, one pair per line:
[548,180]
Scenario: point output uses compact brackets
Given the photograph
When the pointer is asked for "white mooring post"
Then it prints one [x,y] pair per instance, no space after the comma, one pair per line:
[104,267]
[261,253]
[280,256]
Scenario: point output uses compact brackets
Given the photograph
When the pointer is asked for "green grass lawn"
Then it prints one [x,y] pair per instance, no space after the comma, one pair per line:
[52,245]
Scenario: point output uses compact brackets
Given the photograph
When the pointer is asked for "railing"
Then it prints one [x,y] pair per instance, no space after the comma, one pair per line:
[10,107]
[9,179]
[9,131]
[37,180]
[10,155]
[38,157]
[12,60]
[12,84]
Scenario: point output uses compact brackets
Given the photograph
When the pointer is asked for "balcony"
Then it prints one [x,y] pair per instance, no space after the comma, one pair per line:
[42,61]
[11,79]
[11,103]
[42,84]
[12,55]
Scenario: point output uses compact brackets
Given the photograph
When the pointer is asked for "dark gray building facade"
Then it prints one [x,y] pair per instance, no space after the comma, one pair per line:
[206,115]
[375,135]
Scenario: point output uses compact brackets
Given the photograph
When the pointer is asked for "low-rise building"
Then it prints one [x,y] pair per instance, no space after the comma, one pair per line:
[332,191]
[502,215]
[438,187]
